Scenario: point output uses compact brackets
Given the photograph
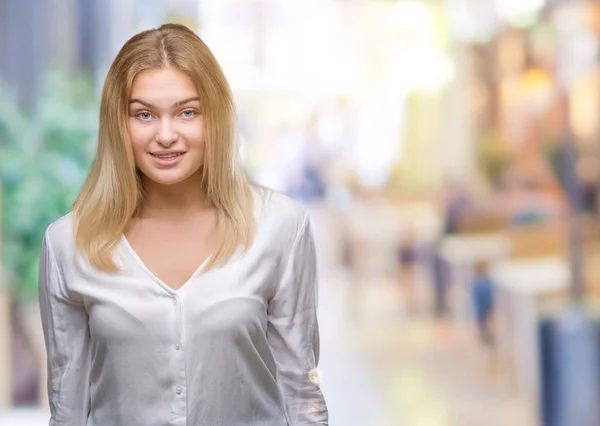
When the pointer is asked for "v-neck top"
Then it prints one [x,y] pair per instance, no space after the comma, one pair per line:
[236,345]
[127,246]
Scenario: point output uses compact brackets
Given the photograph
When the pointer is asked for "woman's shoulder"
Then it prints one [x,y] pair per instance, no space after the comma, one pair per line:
[59,235]
[278,213]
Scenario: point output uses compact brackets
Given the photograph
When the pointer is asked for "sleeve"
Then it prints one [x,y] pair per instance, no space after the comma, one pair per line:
[66,333]
[293,334]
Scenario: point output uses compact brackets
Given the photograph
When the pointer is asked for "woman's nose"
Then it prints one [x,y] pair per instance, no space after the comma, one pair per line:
[166,135]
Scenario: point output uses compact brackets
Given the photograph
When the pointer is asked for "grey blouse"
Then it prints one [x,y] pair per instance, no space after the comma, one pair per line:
[236,345]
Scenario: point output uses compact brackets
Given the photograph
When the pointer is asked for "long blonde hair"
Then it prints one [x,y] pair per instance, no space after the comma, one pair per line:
[112,192]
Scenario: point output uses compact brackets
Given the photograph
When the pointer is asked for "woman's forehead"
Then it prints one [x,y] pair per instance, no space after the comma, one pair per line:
[164,87]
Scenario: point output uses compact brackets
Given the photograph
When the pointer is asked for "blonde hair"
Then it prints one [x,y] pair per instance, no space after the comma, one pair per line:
[112,192]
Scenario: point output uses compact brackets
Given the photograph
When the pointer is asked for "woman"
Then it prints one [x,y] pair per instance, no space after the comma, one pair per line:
[137,333]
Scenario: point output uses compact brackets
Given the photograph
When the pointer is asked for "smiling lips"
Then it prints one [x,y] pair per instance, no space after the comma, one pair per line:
[167,158]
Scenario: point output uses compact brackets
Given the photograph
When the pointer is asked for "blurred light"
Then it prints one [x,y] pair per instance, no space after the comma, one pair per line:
[421,68]
[472,20]
[537,89]
[410,15]
[416,60]
[519,12]
[378,142]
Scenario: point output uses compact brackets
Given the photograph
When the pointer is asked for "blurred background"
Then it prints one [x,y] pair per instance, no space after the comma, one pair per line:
[448,154]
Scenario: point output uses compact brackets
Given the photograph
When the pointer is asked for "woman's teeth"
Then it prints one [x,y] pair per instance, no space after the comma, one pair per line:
[165,156]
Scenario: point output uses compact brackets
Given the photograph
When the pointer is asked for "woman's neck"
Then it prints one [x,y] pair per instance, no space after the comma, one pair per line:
[173,201]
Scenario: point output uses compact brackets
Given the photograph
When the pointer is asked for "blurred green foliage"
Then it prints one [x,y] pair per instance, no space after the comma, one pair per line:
[44,158]
[493,156]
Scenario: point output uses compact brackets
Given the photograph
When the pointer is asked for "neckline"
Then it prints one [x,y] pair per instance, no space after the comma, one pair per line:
[154,277]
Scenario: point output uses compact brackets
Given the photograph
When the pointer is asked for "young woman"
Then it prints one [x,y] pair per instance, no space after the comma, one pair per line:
[177,293]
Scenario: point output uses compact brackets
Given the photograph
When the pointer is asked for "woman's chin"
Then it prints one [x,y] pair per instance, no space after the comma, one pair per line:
[168,177]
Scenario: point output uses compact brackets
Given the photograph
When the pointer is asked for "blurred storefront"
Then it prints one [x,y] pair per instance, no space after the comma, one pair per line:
[370,74]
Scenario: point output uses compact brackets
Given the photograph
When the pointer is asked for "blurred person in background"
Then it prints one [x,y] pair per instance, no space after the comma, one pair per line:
[455,204]
[588,174]
[407,256]
[482,295]
[136,332]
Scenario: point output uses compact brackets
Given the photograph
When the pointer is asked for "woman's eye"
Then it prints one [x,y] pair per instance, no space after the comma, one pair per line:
[144,116]
[188,113]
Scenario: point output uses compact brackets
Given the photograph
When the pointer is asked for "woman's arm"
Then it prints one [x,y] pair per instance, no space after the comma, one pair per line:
[293,334]
[66,333]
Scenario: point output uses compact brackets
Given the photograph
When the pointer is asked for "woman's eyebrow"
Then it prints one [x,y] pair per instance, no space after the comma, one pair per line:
[178,103]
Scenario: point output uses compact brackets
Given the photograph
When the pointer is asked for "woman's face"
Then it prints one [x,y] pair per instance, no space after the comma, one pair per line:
[166,126]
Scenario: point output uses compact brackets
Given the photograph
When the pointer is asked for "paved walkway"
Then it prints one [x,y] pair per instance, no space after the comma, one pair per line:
[426,372]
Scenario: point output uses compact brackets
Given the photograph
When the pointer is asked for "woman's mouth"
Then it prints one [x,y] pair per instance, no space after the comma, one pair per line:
[167,158]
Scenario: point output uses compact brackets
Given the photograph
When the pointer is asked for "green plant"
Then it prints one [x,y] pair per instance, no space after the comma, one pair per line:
[493,156]
[44,157]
